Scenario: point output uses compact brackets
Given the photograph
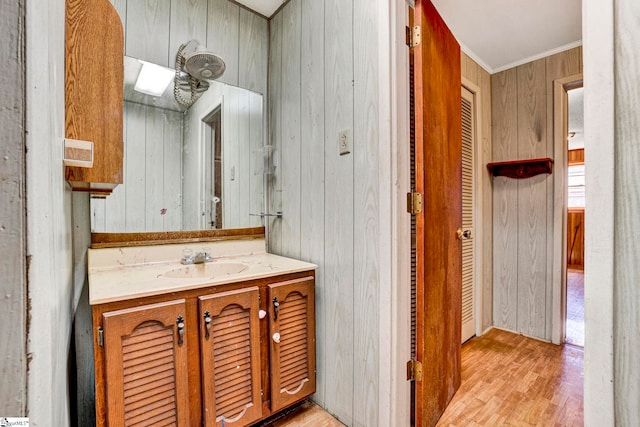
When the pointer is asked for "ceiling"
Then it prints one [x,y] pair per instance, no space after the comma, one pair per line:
[263,7]
[498,34]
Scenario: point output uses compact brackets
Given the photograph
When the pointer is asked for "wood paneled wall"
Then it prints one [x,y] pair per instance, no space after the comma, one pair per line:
[323,80]
[150,199]
[482,80]
[522,108]
[626,304]
[155,29]
[575,238]
[576,157]
[13,304]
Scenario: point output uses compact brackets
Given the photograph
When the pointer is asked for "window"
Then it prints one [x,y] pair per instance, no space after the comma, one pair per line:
[576,186]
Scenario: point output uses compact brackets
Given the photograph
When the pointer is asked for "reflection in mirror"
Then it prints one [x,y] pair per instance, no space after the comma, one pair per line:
[187,168]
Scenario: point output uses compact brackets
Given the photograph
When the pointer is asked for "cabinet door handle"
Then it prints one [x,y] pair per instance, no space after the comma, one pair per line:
[276,304]
[207,324]
[180,323]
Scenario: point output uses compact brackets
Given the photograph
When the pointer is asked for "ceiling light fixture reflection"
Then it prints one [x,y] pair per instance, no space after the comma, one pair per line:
[153,79]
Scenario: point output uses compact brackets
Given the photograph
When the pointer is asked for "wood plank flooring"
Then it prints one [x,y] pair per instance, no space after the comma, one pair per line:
[511,380]
[575,307]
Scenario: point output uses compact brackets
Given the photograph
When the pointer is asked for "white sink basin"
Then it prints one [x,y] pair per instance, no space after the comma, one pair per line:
[210,270]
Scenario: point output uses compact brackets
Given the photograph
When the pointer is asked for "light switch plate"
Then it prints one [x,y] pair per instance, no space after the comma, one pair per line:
[344,142]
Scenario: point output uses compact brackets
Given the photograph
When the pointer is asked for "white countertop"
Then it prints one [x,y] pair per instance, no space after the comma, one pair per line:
[117,274]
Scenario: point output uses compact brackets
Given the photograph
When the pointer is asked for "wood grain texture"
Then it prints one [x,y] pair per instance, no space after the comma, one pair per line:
[274,186]
[366,211]
[508,379]
[253,55]
[93,90]
[505,207]
[290,152]
[627,205]
[338,214]
[13,387]
[438,177]
[223,26]
[148,30]
[187,21]
[533,315]
[575,238]
[312,167]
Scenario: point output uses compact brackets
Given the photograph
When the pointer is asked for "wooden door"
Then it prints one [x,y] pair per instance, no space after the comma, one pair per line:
[438,178]
[468,274]
[293,350]
[230,350]
[146,365]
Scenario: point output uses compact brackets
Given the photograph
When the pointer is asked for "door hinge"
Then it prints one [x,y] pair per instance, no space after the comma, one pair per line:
[414,203]
[413,36]
[100,337]
[414,370]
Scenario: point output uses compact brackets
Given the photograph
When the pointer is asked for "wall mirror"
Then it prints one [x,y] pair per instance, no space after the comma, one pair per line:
[197,167]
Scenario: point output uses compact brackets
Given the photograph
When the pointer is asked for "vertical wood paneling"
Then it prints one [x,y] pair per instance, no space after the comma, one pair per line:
[243,149]
[231,163]
[312,245]
[275,131]
[290,132]
[339,200]
[530,230]
[366,305]
[172,172]
[135,148]
[148,30]
[188,21]
[627,206]
[505,209]
[253,52]
[532,201]
[13,233]
[256,147]
[223,25]
[154,162]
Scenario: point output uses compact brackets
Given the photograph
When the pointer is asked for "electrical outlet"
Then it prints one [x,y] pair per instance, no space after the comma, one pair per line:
[344,142]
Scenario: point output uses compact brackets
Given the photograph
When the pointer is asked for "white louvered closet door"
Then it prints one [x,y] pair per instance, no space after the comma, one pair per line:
[468,140]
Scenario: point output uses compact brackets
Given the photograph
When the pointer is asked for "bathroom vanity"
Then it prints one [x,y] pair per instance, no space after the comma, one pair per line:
[222,343]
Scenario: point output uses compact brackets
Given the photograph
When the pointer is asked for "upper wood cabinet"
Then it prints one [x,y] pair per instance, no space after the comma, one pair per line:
[94,49]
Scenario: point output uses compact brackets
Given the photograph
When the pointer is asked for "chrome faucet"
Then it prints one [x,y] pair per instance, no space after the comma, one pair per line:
[198,258]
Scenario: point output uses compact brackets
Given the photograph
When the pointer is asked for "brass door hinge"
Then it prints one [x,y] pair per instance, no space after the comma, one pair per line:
[414,203]
[414,370]
[100,337]
[413,36]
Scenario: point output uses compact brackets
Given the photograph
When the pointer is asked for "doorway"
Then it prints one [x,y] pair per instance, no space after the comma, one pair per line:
[213,169]
[574,330]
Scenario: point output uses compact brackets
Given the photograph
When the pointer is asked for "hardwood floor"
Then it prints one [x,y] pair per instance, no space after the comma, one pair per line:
[306,415]
[575,307]
[511,380]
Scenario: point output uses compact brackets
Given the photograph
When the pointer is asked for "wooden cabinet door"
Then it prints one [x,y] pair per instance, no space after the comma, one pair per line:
[293,358]
[146,365]
[230,351]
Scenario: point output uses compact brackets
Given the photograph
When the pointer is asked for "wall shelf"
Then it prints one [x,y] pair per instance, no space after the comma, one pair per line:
[520,169]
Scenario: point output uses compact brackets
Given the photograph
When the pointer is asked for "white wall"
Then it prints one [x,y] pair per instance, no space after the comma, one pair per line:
[53,289]
[324,69]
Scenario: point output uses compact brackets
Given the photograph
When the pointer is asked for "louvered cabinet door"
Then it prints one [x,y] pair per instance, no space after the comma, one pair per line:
[146,365]
[293,344]
[230,346]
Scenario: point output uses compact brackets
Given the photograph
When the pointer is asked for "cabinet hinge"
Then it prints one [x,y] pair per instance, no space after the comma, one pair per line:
[414,203]
[413,36]
[100,337]
[414,370]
